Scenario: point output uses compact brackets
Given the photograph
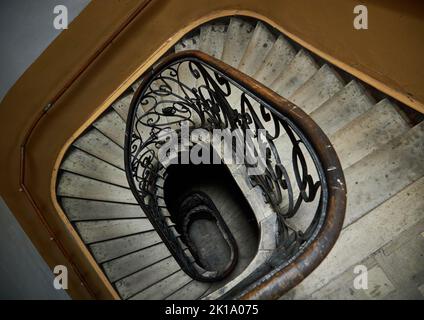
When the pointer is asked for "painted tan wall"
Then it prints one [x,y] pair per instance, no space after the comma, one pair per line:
[84,70]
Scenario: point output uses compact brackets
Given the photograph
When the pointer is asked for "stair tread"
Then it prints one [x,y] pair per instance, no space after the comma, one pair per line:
[259,45]
[141,280]
[94,231]
[384,172]
[192,291]
[378,165]
[112,126]
[346,105]
[367,235]
[122,105]
[405,252]
[111,249]
[301,69]
[80,209]
[97,144]
[164,288]
[368,132]
[82,163]
[276,61]
[189,43]
[76,186]
[238,36]
[324,84]
[212,38]
[128,264]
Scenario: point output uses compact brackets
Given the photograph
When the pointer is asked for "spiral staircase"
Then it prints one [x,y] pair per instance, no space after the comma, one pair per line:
[381,152]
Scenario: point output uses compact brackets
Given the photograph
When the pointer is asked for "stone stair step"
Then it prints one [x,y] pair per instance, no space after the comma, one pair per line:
[164,288]
[147,277]
[238,36]
[324,84]
[375,177]
[366,236]
[300,70]
[82,163]
[100,146]
[212,38]
[280,55]
[80,210]
[111,249]
[76,186]
[260,44]
[404,252]
[122,105]
[131,263]
[191,43]
[383,173]
[368,132]
[192,291]
[346,105]
[95,231]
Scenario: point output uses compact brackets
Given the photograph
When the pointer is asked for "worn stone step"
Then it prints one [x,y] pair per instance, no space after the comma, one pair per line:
[81,209]
[164,288]
[126,265]
[379,173]
[82,163]
[324,84]
[122,104]
[112,126]
[368,132]
[212,38]
[346,105]
[76,186]
[275,62]
[111,249]
[238,36]
[383,173]
[404,252]
[190,43]
[149,276]
[300,70]
[194,290]
[94,231]
[260,44]
[366,236]
[97,144]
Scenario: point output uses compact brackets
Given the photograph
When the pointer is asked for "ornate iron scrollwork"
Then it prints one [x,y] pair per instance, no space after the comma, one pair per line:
[188,89]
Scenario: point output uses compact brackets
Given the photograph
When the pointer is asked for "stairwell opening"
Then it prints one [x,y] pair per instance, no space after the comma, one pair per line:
[224,240]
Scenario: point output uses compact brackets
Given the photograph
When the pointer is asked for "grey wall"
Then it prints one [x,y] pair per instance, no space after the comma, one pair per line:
[23,273]
[26,29]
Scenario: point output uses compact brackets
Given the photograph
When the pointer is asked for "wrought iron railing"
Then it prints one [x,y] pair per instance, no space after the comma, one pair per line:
[202,92]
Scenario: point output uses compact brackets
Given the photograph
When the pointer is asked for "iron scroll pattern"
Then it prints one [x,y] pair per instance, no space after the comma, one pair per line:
[192,91]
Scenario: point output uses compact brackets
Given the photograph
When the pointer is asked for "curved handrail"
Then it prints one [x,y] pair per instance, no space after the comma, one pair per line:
[293,260]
